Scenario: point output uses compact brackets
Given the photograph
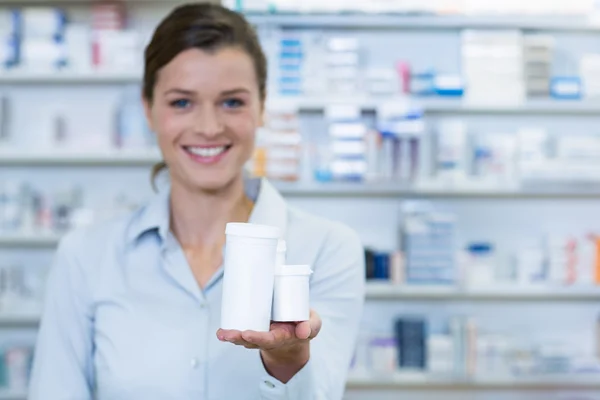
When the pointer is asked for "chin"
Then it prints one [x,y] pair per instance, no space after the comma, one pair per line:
[214,183]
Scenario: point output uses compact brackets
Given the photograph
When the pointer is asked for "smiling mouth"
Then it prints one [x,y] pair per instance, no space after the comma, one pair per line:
[207,154]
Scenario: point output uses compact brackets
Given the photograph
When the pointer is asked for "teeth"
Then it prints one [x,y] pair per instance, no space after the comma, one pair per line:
[206,151]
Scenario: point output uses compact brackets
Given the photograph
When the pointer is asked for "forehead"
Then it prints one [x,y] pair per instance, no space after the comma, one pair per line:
[206,71]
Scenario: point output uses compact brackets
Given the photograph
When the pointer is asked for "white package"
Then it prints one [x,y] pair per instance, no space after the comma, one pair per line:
[347,130]
[78,41]
[250,258]
[291,302]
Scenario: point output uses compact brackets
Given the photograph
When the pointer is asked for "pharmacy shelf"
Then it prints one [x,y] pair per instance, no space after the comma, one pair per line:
[12,395]
[424,22]
[423,382]
[394,190]
[65,77]
[441,106]
[384,291]
[28,240]
[110,158]
[17,321]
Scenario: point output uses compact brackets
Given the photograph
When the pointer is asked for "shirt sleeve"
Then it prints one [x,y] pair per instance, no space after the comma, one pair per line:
[62,368]
[337,294]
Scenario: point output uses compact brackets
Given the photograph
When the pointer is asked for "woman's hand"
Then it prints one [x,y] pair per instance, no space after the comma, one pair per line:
[285,349]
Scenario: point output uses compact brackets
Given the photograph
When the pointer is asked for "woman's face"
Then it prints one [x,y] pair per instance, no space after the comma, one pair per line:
[205,112]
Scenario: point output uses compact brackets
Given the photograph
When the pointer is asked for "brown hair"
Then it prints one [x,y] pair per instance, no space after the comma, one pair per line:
[209,27]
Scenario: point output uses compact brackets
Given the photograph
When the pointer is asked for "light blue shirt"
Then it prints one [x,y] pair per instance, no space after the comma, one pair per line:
[125,319]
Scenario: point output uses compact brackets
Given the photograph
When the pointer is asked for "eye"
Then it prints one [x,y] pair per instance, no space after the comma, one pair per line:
[180,103]
[233,103]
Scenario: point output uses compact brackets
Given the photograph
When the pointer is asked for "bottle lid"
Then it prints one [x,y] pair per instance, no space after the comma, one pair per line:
[293,270]
[252,230]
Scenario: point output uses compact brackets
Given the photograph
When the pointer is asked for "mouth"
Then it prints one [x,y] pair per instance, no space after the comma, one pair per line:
[207,154]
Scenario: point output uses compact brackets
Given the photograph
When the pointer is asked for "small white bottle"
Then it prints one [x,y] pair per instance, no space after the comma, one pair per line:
[291,300]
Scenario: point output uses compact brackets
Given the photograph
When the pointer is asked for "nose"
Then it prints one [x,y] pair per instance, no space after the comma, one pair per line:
[209,122]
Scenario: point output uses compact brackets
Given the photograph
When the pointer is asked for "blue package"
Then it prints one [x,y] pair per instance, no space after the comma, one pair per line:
[449,85]
[288,54]
[11,51]
[457,92]
[382,266]
[16,22]
[323,175]
[566,87]
[290,80]
[291,42]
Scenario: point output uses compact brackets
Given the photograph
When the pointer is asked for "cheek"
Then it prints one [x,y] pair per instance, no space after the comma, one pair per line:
[168,125]
[244,127]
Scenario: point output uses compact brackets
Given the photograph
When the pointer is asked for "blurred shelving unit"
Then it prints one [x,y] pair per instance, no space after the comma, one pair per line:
[377,23]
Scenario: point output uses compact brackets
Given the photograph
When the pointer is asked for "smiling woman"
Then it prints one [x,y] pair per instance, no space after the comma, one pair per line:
[133,305]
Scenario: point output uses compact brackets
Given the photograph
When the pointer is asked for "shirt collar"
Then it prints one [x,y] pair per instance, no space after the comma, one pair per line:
[269,209]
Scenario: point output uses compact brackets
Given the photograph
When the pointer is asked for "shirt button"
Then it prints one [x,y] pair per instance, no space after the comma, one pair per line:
[269,384]
[203,306]
[194,363]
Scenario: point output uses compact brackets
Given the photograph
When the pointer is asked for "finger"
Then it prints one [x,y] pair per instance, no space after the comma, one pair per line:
[303,330]
[241,342]
[229,335]
[307,330]
[263,340]
[315,324]
[279,335]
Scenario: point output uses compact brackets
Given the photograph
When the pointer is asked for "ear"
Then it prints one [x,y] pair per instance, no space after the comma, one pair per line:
[263,110]
[148,112]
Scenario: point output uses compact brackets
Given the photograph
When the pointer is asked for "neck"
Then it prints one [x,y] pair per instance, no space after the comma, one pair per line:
[198,218]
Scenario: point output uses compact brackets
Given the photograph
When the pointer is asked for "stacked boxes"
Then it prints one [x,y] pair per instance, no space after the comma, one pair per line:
[429,243]
[493,67]
[278,152]
[343,72]
[537,54]
[347,134]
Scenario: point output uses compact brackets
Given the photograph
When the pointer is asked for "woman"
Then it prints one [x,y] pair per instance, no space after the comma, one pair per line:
[133,305]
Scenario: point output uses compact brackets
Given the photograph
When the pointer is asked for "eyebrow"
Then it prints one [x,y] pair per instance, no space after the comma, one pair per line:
[180,91]
[229,92]
[235,91]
